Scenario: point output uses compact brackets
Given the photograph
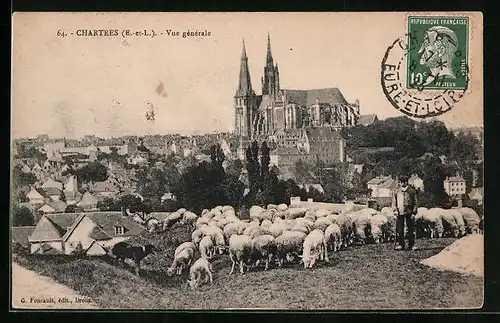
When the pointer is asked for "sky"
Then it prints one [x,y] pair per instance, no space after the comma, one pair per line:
[72,86]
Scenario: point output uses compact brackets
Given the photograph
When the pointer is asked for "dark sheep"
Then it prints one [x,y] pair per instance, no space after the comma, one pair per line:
[123,250]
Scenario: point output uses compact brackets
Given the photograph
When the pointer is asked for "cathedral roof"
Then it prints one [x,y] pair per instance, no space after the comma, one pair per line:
[331,96]
[245,84]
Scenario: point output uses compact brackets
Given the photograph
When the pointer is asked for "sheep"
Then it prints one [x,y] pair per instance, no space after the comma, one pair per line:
[313,248]
[205,211]
[471,219]
[240,247]
[181,261]
[200,268]
[196,236]
[389,230]
[346,228]
[310,215]
[321,213]
[257,231]
[294,213]
[282,207]
[267,215]
[201,221]
[227,208]
[276,229]
[189,218]
[378,223]
[184,245]
[459,219]
[450,226]
[206,247]
[272,206]
[322,223]
[218,208]
[152,225]
[255,212]
[230,229]
[332,239]
[171,219]
[217,237]
[266,224]
[361,227]
[263,248]
[420,229]
[433,224]
[386,210]
[290,242]
[181,211]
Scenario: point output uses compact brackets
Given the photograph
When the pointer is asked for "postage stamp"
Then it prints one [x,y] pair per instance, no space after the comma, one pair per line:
[217,161]
[437,52]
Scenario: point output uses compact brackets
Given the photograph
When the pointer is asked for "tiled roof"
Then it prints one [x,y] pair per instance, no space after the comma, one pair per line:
[20,234]
[58,206]
[455,179]
[108,220]
[62,221]
[99,234]
[52,191]
[389,183]
[52,183]
[377,180]
[308,97]
[367,119]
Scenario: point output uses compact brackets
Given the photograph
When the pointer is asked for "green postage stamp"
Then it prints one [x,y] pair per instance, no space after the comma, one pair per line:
[437,57]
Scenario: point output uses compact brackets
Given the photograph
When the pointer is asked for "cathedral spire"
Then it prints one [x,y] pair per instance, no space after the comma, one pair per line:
[269,57]
[245,84]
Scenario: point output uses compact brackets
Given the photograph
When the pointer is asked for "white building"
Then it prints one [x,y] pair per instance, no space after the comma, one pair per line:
[454,186]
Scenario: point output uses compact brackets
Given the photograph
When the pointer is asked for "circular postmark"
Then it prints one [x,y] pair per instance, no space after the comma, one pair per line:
[423,95]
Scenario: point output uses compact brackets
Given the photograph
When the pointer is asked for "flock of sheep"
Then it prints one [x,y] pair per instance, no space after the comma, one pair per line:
[281,234]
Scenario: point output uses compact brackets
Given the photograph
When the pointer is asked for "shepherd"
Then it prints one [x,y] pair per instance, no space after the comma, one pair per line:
[405,206]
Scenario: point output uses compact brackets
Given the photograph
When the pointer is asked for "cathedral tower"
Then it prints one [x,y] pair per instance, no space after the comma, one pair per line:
[244,99]
[271,79]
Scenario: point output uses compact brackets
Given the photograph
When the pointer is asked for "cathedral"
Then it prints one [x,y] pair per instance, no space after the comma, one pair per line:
[278,114]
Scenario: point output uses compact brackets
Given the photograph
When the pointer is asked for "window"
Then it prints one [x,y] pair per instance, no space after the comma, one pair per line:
[119,230]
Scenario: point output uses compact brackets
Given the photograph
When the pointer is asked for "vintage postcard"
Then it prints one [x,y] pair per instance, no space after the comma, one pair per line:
[200,161]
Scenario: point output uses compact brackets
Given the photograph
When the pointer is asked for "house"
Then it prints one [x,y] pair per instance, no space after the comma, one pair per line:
[382,186]
[454,186]
[97,232]
[105,189]
[50,183]
[53,193]
[416,182]
[374,183]
[37,196]
[477,194]
[88,202]
[20,235]
[53,207]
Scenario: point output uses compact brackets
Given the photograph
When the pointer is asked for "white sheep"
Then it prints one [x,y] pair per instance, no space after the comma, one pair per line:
[217,236]
[276,229]
[471,219]
[206,247]
[332,239]
[321,213]
[184,245]
[230,229]
[196,236]
[310,215]
[322,223]
[289,243]
[227,208]
[182,260]
[152,225]
[313,248]
[240,247]
[294,213]
[200,268]
[361,226]
[459,219]
[201,221]
[433,224]
[282,207]
[272,206]
[378,223]
[255,212]
[171,219]
[263,248]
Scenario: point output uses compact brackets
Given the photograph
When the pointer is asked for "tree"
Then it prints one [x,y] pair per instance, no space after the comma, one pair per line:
[62,196]
[20,178]
[91,173]
[253,169]
[22,216]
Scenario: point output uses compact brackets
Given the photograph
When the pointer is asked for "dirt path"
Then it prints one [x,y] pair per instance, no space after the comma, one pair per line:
[30,290]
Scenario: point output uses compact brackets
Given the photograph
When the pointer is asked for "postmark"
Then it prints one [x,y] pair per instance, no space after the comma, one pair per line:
[423,100]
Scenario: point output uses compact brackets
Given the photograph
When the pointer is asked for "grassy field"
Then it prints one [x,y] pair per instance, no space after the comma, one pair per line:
[367,277]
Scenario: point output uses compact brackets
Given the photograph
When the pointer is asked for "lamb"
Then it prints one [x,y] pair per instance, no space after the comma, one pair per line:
[332,239]
[313,248]
[263,248]
[378,224]
[182,260]
[240,247]
[459,219]
[206,247]
[322,223]
[471,219]
[290,242]
[200,268]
